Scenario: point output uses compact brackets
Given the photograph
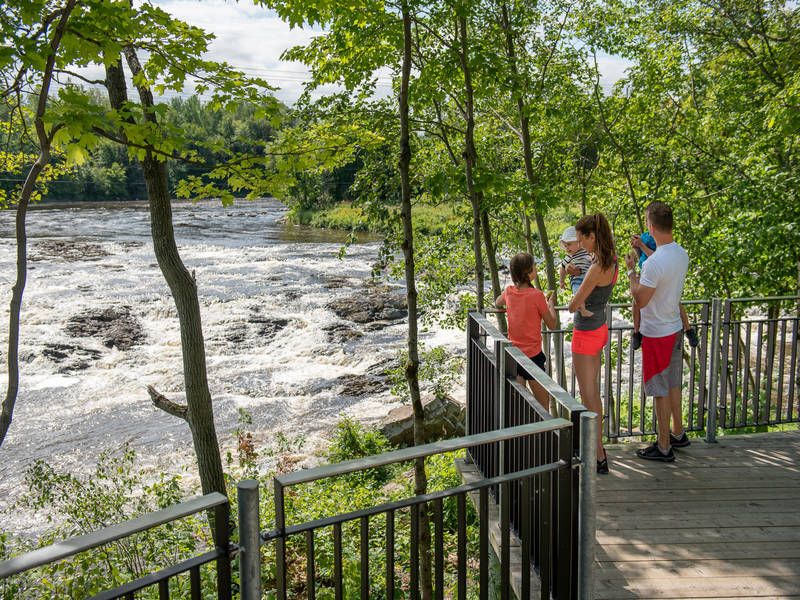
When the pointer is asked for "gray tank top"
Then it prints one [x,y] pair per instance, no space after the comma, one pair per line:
[596,302]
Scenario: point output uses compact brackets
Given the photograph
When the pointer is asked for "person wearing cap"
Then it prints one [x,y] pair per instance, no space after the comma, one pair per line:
[576,263]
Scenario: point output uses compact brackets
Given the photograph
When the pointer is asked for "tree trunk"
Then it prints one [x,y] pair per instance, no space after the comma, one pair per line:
[491,259]
[412,364]
[45,141]
[470,160]
[199,414]
[525,134]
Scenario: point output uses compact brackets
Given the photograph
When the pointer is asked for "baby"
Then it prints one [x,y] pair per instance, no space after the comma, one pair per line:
[576,256]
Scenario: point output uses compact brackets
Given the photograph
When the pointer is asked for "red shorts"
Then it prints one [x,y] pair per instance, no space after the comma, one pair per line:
[589,342]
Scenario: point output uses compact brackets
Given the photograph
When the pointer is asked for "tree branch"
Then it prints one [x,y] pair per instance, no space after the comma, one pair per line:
[167,405]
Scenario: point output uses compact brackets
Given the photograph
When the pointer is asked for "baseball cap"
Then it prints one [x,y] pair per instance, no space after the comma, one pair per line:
[568,235]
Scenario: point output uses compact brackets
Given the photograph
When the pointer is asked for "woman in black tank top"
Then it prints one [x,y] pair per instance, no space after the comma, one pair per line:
[590,333]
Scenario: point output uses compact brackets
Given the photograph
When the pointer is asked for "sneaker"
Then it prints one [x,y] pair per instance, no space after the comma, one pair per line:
[680,441]
[653,452]
[636,340]
[691,335]
[602,466]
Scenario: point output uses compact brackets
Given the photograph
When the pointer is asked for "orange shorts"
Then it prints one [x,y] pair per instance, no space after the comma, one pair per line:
[589,342]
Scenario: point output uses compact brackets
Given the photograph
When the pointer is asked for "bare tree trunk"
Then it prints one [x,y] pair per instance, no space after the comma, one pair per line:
[45,142]
[412,364]
[199,409]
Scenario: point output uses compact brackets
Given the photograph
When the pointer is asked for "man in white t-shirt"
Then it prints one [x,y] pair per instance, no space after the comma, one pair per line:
[658,293]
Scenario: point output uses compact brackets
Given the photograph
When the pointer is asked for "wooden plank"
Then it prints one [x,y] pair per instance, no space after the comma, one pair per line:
[697,587]
[700,534]
[699,507]
[656,521]
[664,569]
[647,551]
[612,497]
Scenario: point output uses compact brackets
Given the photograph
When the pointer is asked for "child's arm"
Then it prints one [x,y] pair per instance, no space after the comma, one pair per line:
[562,276]
[500,301]
[550,319]
[588,284]
[647,250]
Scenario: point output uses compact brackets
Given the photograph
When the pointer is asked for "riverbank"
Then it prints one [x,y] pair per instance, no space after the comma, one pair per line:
[345,216]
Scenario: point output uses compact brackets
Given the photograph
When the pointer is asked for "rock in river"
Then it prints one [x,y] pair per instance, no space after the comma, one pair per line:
[375,304]
[116,327]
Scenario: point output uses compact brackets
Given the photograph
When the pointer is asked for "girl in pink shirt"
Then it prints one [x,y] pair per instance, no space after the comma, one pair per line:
[526,307]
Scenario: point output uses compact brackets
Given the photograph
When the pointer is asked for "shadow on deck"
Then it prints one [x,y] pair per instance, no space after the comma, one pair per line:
[722,521]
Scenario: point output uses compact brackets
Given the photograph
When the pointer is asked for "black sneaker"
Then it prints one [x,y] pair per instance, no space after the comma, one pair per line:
[636,340]
[691,335]
[602,466]
[653,452]
[680,441]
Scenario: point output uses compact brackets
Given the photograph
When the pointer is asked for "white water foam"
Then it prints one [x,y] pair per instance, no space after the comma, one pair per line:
[247,264]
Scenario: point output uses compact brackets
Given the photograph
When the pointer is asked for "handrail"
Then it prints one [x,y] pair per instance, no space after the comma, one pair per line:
[72,546]
[406,454]
[556,391]
[396,505]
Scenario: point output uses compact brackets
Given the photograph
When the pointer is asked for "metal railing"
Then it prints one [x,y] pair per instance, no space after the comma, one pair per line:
[221,554]
[744,372]
[495,399]
[545,530]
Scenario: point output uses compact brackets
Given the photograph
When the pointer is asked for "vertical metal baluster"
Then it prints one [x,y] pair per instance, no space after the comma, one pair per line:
[703,383]
[607,407]
[757,386]
[364,558]
[564,513]
[722,400]
[619,381]
[505,543]
[772,327]
[439,553]
[194,584]
[790,399]
[746,383]
[390,555]
[163,589]
[713,372]
[525,538]
[631,400]
[222,526]
[338,579]
[311,584]
[280,542]
[781,373]
[461,510]
[414,552]
[483,578]
[692,364]
[131,596]
[546,535]
[735,384]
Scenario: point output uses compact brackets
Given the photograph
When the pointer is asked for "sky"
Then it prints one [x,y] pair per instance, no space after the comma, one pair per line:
[252,39]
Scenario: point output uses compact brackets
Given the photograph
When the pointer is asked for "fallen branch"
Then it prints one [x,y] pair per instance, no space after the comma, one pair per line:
[167,405]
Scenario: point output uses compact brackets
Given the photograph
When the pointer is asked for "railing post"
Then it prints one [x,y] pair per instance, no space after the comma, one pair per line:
[249,540]
[280,542]
[472,332]
[713,376]
[586,505]
[222,536]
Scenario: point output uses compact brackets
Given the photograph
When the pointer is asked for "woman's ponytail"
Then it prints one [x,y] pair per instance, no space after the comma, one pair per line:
[604,251]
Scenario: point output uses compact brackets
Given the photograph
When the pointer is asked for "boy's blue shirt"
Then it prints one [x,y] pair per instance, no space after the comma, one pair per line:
[648,241]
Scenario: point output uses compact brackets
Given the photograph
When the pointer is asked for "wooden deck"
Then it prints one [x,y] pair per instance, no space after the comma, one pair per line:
[722,521]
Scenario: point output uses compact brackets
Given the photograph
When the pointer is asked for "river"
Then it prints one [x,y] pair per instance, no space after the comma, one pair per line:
[271,342]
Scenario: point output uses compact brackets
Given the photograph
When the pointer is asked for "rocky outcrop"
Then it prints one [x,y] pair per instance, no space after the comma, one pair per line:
[116,327]
[361,385]
[72,358]
[375,304]
[66,250]
[444,418]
